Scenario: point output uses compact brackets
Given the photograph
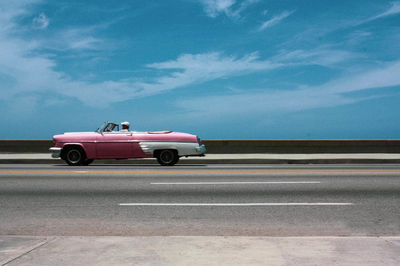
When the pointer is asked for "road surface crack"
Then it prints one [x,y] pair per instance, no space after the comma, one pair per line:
[37,246]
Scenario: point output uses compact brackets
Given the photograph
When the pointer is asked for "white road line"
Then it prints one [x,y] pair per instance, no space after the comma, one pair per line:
[236,183]
[239,204]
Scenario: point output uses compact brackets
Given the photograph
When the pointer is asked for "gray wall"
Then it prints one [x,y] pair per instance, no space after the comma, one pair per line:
[245,146]
[302,146]
[25,146]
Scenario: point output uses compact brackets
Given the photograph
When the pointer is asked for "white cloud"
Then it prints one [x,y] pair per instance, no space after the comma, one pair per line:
[214,8]
[275,20]
[323,56]
[41,21]
[10,10]
[186,70]
[26,70]
[269,101]
[243,6]
[191,69]
[392,10]
[37,75]
[383,76]
[77,39]
[29,71]
[357,37]
[214,63]
[316,32]
[258,103]
[34,73]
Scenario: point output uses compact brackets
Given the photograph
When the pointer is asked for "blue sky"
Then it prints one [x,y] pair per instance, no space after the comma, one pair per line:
[245,69]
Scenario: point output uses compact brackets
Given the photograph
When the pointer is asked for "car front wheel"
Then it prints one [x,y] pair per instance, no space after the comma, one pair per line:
[74,156]
[167,157]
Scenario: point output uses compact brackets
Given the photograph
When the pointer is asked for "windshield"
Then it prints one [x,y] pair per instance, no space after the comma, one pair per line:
[100,129]
[108,127]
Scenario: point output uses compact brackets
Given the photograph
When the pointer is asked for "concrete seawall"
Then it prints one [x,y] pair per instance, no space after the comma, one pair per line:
[302,146]
[245,146]
[25,146]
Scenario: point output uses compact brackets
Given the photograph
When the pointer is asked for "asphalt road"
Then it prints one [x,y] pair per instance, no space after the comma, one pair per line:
[251,200]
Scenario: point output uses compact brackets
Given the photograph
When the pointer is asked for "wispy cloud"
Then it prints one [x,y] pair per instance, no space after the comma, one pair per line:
[392,10]
[270,101]
[380,77]
[32,74]
[35,73]
[259,103]
[215,63]
[78,39]
[198,68]
[41,21]
[275,20]
[25,71]
[190,69]
[314,33]
[357,37]
[323,56]
[243,6]
[214,7]
[186,70]
[230,8]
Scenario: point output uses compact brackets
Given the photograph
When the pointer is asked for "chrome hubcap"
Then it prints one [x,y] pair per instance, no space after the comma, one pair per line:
[74,156]
[167,156]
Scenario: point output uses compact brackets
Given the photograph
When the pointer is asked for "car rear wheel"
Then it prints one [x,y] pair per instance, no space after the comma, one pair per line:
[74,156]
[167,157]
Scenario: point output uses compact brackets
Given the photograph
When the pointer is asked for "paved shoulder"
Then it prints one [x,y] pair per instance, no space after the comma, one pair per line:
[13,248]
[211,250]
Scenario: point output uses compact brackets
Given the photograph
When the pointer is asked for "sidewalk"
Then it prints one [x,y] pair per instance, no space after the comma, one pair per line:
[199,250]
[247,158]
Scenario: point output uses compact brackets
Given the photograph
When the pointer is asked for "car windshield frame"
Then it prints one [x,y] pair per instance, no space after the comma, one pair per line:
[108,127]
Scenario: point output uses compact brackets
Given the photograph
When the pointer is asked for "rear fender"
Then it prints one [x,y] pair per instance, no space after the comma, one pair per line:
[182,148]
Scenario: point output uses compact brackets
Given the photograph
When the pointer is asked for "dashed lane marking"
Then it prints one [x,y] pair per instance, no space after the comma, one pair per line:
[238,183]
[249,204]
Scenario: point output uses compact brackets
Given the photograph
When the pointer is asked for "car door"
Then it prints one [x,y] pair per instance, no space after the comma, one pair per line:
[116,145]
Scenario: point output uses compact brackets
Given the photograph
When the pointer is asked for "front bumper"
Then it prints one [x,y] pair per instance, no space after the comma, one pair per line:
[55,152]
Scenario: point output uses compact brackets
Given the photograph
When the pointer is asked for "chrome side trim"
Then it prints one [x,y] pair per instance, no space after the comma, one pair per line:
[183,148]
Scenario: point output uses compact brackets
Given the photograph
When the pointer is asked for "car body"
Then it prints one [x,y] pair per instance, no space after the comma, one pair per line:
[108,142]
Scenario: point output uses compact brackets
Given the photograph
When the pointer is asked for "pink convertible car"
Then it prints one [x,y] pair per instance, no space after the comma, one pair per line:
[108,142]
